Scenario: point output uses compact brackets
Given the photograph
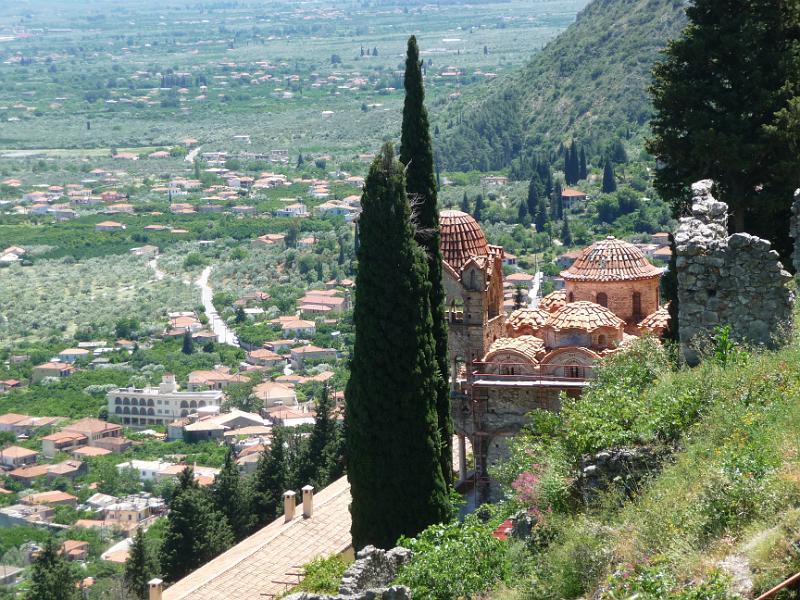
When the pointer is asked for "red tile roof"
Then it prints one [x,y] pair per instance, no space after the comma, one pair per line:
[611,260]
[462,237]
[584,315]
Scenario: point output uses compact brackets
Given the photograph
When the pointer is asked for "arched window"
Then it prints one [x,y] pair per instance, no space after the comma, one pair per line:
[126,401]
[150,402]
[637,303]
[573,372]
[602,299]
[184,404]
[201,404]
[184,413]
[571,297]
[601,340]
[118,410]
[117,401]
[134,411]
[192,404]
[151,411]
[134,402]
[126,410]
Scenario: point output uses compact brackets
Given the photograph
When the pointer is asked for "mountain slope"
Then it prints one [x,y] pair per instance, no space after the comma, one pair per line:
[588,83]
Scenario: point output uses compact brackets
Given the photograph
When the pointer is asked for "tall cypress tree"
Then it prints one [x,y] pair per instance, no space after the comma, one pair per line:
[716,95]
[464,203]
[478,212]
[392,434]
[416,152]
[533,194]
[574,164]
[583,172]
[566,234]
[609,181]
[320,461]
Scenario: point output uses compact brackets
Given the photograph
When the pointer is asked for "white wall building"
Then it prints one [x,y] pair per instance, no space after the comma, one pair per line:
[158,405]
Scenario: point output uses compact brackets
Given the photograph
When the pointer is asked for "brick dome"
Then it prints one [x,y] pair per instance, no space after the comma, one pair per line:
[611,260]
[461,239]
[584,315]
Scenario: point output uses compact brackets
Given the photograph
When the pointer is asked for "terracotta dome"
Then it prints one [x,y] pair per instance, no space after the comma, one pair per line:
[553,301]
[584,315]
[611,260]
[528,346]
[462,238]
[524,318]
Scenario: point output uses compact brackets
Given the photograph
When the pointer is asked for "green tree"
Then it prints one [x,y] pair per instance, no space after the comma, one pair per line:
[557,207]
[52,577]
[321,461]
[478,213]
[240,315]
[140,567]
[522,212]
[464,204]
[533,194]
[228,496]
[392,439]
[416,153]
[195,531]
[270,480]
[583,171]
[717,93]
[609,181]
[566,234]
[188,343]
[541,216]
[519,297]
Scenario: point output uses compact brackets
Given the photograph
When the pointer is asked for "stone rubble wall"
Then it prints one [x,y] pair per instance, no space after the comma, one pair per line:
[794,231]
[735,280]
[368,577]
[623,467]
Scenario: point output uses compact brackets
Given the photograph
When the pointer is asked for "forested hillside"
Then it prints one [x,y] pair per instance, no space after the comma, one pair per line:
[588,83]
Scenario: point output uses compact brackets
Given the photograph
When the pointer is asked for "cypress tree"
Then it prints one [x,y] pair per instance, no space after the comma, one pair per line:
[52,576]
[478,213]
[140,567]
[609,182]
[533,194]
[522,212]
[228,496]
[574,165]
[716,94]
[188,342]
[583,172]
[566,234]
[464,203]
[392,434]
[541,215]
[270,480]
[558,204]
[416,152]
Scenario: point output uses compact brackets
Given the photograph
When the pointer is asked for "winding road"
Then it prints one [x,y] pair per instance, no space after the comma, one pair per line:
[224,334]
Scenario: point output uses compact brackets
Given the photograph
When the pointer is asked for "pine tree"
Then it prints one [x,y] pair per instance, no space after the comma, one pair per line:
[522,212]
[478,213]
[188,342]
[583,172]
[464,204]
[228,496]
[416,152]
[716,95]
[52,577]
[140,567]
[566,234]
[195,532]
[574,165]
[541,215]
[558,202]
[609,181]
[197,168]
[300,160]
[241,316]
[519,298]
[270,480]
[392,434]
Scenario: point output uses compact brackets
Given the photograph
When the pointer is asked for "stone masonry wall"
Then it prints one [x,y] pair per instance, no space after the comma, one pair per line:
[734,280]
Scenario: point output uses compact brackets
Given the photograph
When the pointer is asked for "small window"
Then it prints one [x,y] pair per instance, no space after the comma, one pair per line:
[571,297]
[637,303]
[602,299]
[601,340]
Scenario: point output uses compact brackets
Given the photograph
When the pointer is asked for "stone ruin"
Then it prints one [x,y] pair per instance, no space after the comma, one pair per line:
[735,280]
[368,577]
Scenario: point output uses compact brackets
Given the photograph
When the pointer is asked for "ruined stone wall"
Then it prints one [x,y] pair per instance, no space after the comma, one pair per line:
[734,280]
[794,231]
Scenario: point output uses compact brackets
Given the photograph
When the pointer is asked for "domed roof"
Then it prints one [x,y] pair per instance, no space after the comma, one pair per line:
[523,318]
[553,301]
[584,315]
[528,346]
[461,239]
[656,322]
[611,260]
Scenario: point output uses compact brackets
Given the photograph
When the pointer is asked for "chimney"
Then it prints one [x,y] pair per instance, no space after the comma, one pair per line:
[288,505]
[155,589]
[308,501]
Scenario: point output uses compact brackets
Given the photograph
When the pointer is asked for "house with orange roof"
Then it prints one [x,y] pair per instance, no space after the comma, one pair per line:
[263,357]
[52,498]
[570,196]
[75,549]
[94,429]
[109,226]
[61,441]
[9,384]
[310,352]
[16,456]
[51,369]
[272,393]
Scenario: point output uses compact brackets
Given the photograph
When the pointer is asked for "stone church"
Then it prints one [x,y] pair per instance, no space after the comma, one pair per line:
[505,366]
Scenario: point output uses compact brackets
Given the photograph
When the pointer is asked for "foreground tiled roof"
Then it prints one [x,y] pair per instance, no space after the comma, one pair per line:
[254,567]
[528,346]
[656,321]
[611,260]
[527,318]
[553,301]
[461,238]
[584,315]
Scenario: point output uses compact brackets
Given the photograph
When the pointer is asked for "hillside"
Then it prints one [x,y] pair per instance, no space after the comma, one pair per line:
[587,83]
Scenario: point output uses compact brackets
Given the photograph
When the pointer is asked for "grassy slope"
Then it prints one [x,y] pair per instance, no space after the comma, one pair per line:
[588,83]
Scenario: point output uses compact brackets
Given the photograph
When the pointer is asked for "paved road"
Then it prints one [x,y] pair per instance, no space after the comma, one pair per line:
[224,334]
[536,289]
[190,157]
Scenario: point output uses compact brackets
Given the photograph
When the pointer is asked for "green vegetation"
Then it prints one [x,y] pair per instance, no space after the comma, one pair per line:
[416,153]
[590,84]
[323,575]
[710,103]
[393,368]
